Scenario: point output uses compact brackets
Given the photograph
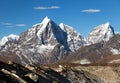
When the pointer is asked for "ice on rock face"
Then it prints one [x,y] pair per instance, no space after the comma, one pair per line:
[101,33]
[44,48]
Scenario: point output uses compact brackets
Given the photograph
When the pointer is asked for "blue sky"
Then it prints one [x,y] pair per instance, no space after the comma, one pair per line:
[16,16]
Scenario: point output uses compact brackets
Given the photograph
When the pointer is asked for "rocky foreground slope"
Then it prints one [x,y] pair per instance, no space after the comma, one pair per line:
[59,73]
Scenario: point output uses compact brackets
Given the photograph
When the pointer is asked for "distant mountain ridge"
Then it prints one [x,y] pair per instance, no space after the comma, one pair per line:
[10,37]
[102,52]
[101,33]
[47,42]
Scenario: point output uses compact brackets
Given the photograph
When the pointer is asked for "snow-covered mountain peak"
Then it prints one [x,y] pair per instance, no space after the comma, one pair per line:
[101,33]
[107,24]
[8,38]
[62,26]
[67,28]
[46,20]
[13,36]
[74,39]
[103,27]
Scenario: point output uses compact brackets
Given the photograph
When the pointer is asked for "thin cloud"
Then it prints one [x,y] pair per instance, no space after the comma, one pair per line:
[91,10]
[6,24]
[10,26]
[46,8]
[20,25]
[55,7]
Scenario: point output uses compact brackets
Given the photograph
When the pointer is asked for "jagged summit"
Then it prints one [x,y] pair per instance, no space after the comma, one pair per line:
[74,39]
[101,33]
[104,26]
[107,23]
[64,27]
[46,19]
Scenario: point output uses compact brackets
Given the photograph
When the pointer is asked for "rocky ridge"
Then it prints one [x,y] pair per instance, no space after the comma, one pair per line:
[59,73]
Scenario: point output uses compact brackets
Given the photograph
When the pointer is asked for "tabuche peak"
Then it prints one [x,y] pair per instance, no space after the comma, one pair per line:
[46,19]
